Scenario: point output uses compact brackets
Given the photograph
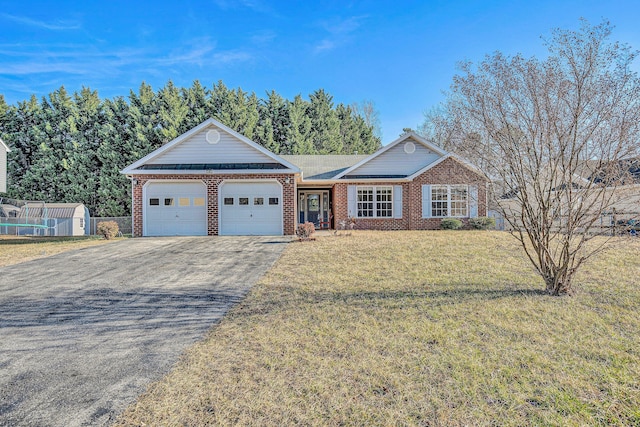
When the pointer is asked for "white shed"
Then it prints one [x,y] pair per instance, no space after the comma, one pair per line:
[62,219]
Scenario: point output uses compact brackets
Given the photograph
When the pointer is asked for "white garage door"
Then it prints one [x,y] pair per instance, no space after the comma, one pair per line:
[250,208]
[175,209]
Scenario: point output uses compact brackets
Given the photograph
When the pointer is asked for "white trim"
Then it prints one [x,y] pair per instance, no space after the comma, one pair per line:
[448,215]
[170,172]
[404,137]
[171,181]
[6,147]
[442,159]
[249,181]
[209,122]
[374,209]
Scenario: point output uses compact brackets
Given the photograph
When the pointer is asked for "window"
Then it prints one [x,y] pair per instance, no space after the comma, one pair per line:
[184,201]
[374,202]
[449,200]
[198,201]
[458,196]
[243,201]
[258,200]
[384,202]
[168,201]
[154,202]
[365,202]
[228,200]
[273,200]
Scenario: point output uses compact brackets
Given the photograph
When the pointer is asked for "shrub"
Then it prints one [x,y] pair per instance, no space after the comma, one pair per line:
[483,223]
[108,229]
[305,231]
[450,224]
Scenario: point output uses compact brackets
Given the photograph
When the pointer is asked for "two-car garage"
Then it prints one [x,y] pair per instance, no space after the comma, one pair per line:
[179,208]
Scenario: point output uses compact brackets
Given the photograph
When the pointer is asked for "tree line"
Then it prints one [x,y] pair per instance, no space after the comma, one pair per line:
[71,147]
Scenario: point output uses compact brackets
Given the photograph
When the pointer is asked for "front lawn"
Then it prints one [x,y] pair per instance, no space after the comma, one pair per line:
[414,328]
[17,249]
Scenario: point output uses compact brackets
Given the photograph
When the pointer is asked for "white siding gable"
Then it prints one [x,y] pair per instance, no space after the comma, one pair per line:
[196,149]
[397,161]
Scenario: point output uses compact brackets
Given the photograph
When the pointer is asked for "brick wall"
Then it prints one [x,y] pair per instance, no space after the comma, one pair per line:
[213,182]
[449,172]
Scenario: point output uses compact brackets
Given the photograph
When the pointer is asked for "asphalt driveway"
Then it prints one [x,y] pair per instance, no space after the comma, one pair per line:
[83,333]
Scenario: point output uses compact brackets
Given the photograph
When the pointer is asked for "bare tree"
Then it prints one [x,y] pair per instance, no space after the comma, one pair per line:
[557,137]
[367,110]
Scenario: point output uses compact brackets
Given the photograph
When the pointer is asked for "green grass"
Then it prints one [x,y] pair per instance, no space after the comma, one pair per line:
[414,328]
[17,249]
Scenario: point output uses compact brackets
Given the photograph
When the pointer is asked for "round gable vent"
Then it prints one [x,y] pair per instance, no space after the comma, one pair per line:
[409,147]
[213,136]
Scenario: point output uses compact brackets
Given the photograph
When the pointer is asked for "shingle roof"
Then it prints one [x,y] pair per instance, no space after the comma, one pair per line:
[323,166]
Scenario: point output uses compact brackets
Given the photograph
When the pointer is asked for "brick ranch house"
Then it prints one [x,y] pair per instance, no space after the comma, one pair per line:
[213,181]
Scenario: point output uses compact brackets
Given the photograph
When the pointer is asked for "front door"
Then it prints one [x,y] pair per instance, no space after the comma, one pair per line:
[314,207]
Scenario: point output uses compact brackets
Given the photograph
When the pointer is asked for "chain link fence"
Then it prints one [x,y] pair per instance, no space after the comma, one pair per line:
[124,224]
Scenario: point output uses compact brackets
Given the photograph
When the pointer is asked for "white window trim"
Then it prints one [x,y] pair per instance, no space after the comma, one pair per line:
[449,187]
[375,196]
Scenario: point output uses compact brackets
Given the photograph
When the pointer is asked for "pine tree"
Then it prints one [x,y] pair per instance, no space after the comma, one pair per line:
[300,132]
[114,189]
[325,127]
[197,105]
[274,115]
[72,148]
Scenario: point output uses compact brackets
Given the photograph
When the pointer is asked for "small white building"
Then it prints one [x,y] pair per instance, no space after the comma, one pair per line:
[61,219]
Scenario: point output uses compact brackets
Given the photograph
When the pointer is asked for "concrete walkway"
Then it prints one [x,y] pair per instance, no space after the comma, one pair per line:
[83,333]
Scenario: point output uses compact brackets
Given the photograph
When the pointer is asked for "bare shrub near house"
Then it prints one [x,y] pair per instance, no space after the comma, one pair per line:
[108,229]
[556,136]
[306,231]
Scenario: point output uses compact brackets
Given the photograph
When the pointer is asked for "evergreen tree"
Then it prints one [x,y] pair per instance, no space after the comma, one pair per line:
[300,131]
[197,105]
[274,115]
[72,148]
[325,127]
[114,189]
[23,133]
[173,111]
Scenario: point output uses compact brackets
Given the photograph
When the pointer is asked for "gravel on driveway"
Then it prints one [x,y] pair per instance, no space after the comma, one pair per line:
[83,333]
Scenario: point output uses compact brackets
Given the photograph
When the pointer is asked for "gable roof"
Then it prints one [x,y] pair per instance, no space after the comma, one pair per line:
[146,166]
[50,210]
[452,156]
[408,135]
[323,166]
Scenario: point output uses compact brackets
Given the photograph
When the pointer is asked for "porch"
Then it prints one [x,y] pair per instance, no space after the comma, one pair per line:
[315,205]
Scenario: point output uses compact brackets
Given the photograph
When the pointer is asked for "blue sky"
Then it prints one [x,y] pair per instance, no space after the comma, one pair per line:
[400,54]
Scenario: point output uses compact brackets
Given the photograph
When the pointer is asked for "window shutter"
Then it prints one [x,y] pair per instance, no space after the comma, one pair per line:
[397,201]
[473,201]
[426,201]
[351,201]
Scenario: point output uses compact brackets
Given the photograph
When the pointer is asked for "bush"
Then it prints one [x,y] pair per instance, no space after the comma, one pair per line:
[450,224]
[108,229]
[483,223]
[305,231]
